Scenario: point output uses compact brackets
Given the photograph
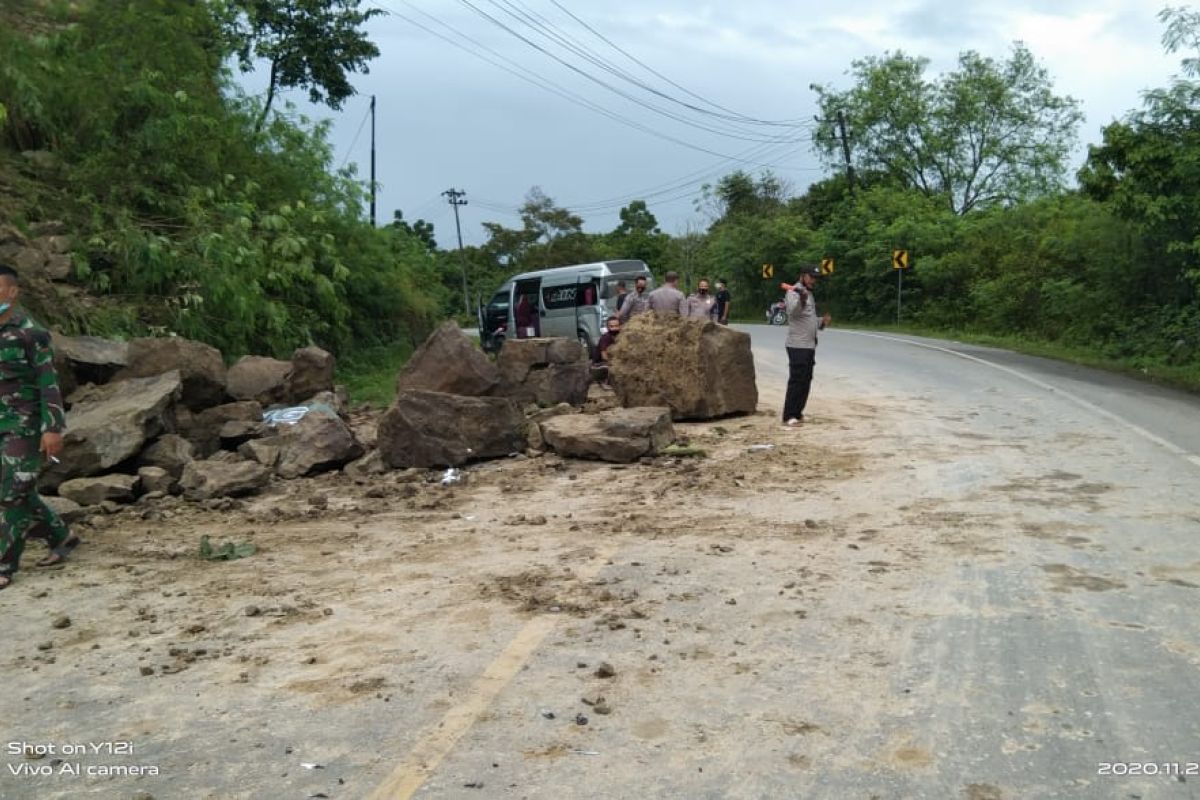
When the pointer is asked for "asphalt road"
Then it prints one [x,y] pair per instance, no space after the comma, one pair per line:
[1000,604]
[1164,416]
[970,574]
[1038,686]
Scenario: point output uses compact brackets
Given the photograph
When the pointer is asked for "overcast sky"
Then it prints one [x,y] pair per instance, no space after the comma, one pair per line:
[446,118]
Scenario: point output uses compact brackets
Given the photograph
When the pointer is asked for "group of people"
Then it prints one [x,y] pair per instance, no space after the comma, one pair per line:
[803,326]
[701,304]
[666,299]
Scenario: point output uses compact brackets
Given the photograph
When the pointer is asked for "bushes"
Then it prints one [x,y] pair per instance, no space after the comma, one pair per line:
[246,240]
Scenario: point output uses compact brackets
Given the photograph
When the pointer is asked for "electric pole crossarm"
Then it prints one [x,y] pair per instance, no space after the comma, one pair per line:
[456,198]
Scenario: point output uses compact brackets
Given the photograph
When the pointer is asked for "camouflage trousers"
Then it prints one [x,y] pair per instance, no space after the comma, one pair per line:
[23,513]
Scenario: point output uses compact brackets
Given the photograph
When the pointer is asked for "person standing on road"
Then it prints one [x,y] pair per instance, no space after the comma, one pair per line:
[699,305]
[721,307]
[635,303]
[801,344]
[622,292]
[31,425]
[667,299]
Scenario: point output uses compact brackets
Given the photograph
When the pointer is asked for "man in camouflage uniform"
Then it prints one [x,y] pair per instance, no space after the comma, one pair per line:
[31,425]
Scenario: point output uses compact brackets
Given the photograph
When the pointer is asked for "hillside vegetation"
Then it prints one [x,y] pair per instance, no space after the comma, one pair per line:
[195,211]
[186,218]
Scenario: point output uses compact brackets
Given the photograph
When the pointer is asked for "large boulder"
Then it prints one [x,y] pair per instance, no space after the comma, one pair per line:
[154,479]
[698,369]
[111,424]
[451,363]
[317,443]
[94,491]
[366,467]
[435,429]
[203,430]
[90,359]
[200,366]
[620,434]
[258,378]
[204,480]
[544,371]
[66,374]
[312,372]
[68,510]
[171,453]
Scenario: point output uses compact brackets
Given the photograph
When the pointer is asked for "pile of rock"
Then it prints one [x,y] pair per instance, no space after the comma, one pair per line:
[45,256]
[454,405]
[698,369]
[158,416]
[155,416]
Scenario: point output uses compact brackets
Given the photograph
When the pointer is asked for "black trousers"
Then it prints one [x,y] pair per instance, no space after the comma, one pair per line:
[800,374]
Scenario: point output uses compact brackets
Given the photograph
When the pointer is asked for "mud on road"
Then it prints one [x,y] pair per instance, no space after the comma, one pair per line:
[728,626]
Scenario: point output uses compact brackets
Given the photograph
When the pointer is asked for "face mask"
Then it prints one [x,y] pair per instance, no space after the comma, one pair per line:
[704,291]
[5,307]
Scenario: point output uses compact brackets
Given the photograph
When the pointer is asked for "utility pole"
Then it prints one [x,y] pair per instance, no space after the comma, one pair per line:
[841,121]
[372,161]
[458,197]
[840,134]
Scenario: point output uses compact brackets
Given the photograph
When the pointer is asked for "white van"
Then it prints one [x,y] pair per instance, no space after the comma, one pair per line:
[563,301]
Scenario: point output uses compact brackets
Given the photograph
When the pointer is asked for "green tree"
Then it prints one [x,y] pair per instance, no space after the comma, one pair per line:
[1182,33]
[638,236]
[187,220]
[1147,168]
[310,44]
[421,230]
[990,132]
[549,236]
[740,193]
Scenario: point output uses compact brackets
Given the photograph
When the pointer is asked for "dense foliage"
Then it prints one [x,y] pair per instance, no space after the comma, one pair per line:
[206,226]
[208,216]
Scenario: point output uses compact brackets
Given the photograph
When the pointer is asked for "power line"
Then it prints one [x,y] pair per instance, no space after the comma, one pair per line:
[606,85]
[519,71]
[350,149]
[731,113]
[681,187]
[552,32]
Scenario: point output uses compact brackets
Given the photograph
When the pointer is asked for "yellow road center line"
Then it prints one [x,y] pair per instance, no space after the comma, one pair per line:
[436,743]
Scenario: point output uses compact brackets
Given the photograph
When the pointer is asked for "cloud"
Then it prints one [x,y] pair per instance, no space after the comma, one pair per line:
[447,118]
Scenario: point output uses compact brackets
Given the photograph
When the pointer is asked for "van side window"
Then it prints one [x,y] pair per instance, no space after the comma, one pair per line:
[557,297]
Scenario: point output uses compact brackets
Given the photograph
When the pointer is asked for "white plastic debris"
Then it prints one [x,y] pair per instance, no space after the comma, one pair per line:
[293,414]
[759,448]
[452,477]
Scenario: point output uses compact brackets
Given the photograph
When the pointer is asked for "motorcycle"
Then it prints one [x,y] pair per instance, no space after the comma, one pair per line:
[777,314]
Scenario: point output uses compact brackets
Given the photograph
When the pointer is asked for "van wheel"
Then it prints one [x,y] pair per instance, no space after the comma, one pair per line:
[586,341]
